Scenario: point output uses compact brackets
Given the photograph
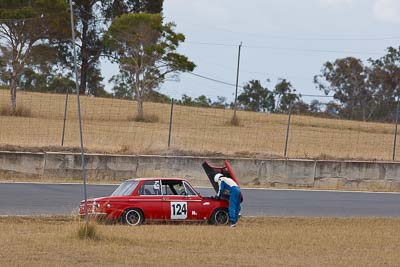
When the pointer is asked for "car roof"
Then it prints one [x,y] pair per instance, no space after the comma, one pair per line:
[156,178]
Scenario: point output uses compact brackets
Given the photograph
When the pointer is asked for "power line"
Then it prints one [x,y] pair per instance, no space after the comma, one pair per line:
[209,91]
[343,39]
[312,50]
[225,67]
[212,79]
[297,38]
[286,48]
[307,95]
[241,87]
[211,44]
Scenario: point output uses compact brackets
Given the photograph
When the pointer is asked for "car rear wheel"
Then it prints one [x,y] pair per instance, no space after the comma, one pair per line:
[220,217]
[133,217]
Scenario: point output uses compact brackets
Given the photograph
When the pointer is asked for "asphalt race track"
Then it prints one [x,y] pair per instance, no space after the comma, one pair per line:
[35,199]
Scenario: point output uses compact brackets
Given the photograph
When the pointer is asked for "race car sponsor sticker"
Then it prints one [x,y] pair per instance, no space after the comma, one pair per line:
[178,210]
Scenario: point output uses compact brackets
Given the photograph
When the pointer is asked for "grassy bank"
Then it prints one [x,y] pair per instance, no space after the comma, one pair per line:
[109,127]
[53,241]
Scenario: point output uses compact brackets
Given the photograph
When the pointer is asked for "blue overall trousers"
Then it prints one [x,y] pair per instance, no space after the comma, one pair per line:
[234,198]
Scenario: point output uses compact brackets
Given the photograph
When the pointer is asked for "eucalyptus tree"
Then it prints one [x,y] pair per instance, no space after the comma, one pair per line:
[25,25]
[347,78]
[257,98]
[285,95]
[145,49]
[93,18]
[115,8]
[384,79]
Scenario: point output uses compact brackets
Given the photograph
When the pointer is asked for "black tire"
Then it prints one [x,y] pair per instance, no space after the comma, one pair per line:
[133,217]
[219,217]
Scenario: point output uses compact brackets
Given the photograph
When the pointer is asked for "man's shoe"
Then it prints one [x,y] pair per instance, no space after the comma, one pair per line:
[232,225]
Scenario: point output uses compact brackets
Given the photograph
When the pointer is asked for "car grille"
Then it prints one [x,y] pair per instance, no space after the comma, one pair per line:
[90,208]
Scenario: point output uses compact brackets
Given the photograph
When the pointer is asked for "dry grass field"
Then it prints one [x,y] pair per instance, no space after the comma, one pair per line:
[109,128]
[53,241]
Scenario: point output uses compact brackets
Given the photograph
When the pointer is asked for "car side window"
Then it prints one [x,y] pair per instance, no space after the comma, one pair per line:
[189,190]
[150,188]
[173,188]
[166,189]
[179,189]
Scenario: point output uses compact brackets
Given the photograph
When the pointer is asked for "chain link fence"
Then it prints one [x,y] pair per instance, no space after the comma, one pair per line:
[109,126]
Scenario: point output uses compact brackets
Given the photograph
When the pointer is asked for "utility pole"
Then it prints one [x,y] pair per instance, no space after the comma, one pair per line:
[79,114]
[287,129]
[65,117]
[170,122]
[237,81]
[395,129]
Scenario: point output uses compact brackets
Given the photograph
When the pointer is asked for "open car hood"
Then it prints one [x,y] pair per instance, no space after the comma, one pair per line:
[226,170]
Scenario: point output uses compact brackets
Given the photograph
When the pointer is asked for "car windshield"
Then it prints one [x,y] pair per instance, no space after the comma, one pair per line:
[125,189]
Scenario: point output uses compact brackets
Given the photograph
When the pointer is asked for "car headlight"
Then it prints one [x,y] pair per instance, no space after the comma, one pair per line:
[98,205]
[108,205]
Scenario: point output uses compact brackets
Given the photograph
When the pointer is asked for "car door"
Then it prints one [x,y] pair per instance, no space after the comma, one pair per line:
[196,208]
[149,199]
[178,202]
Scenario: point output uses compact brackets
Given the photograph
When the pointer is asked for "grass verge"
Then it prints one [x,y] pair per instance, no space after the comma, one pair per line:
[268,241]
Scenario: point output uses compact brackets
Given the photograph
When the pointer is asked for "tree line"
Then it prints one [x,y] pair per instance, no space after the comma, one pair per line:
[367,91]
[253,97]
[364,91]
[36,48]
[36,55]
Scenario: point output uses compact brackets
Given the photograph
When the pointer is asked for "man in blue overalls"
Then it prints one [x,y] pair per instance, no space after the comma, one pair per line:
[227,184]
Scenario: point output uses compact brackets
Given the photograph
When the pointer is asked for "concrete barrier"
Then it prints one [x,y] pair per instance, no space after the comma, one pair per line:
[21,164]
[280,173]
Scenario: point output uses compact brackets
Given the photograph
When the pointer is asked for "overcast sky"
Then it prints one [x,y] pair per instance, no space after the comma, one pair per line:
[281,39]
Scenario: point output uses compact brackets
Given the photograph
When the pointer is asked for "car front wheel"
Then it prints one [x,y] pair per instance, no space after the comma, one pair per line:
[133,217]
[219,217]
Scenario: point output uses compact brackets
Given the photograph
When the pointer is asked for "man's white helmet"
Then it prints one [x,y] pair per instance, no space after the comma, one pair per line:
[217,176]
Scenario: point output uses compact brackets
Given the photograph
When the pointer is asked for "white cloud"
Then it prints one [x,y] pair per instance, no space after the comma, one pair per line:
[387,10]
[336,3]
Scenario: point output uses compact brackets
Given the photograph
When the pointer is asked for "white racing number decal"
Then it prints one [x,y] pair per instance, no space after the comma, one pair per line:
[178,210]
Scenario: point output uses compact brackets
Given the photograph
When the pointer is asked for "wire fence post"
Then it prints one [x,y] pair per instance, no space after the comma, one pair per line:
[287,129]
[395,130]
[170,122]
[65,118]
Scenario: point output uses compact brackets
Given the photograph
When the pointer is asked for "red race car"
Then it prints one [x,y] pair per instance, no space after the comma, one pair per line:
[158,199]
